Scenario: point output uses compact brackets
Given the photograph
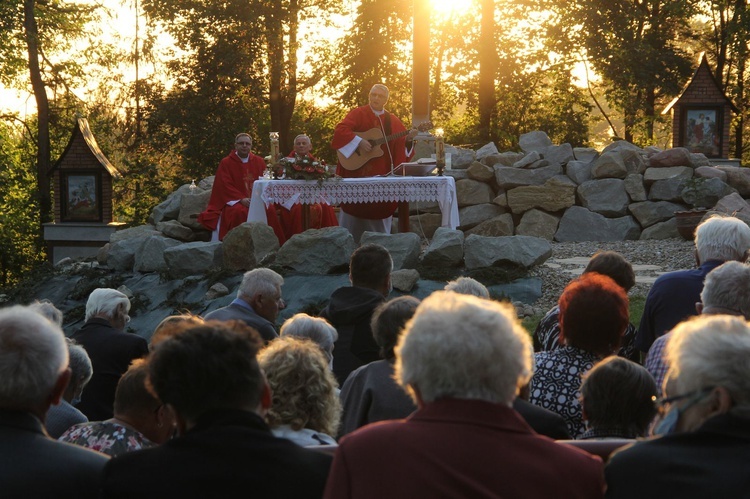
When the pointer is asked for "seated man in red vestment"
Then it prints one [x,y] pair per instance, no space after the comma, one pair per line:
[359,217]
[230,195]
[321,214]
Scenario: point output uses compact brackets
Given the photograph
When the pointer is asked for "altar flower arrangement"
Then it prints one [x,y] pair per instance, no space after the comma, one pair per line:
[304,167]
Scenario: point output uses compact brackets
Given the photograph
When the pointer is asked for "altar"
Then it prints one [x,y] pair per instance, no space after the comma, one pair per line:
[358,190]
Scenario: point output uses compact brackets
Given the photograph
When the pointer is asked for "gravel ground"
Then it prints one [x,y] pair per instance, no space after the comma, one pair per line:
[650,258]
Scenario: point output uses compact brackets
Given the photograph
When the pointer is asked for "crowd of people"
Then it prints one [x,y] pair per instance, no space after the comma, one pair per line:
[388,397]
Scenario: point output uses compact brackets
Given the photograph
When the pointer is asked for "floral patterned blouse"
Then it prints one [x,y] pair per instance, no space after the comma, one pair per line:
[107,437]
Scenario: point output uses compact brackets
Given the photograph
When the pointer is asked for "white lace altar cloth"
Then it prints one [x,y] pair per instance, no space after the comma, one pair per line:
[356,190]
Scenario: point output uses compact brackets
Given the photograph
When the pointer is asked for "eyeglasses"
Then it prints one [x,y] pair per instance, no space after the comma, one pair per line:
[244,143]
[695,394]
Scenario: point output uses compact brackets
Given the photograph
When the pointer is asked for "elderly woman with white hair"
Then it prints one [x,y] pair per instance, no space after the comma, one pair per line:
[110,348]
[705,423]
[463,359]
[316,329]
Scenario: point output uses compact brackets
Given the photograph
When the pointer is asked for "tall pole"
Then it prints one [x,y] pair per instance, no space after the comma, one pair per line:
[420,81]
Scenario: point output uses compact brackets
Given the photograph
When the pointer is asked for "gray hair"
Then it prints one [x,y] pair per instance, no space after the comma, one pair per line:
[465,347]
[316,329]
[381,87]
[48,310]
[106,301]
[722,238]
[32,357]
[468,286]
[79,363]
[728,287]
[712,350]
[259,281]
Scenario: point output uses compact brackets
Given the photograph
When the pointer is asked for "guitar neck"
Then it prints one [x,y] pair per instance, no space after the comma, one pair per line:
[391,137]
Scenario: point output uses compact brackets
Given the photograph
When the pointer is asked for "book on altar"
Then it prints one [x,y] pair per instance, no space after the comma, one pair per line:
[418,168]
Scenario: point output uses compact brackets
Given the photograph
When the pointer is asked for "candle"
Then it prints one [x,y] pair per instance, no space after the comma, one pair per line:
[439,150]
[274,147]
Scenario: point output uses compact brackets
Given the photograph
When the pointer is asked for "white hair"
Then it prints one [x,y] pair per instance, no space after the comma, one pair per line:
[48,310]
[259,281]
[33,354]
[381,87]
[468,286]
[728,287]
[464,347]
[709,351]
[79,363]
[105,302]
[316,329]
[722,238]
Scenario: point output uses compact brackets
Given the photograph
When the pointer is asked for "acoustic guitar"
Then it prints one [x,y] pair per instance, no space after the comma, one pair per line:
[375,137]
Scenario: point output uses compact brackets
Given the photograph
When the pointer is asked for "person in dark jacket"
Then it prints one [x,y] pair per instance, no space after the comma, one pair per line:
[111,350]
[350,308]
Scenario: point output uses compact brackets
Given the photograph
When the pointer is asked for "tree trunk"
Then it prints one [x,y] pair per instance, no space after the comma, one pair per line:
[487,68]
[31,32]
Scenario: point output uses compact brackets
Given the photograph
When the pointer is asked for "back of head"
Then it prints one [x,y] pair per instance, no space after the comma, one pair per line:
[80,363]
[618,394]
[464,347]
[316,329]
[468,286]
[172,325]
[303,387]
[722,238]
[48,310]
[593,314]
[370,266]
[208,367]
[105,302]
[726,290]
[33,354]
[613,265]
[132,396]
[388,321]
[712,351]
[259,281]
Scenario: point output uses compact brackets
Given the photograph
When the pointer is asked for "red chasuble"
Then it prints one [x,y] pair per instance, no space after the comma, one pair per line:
[234,181]
[362,119]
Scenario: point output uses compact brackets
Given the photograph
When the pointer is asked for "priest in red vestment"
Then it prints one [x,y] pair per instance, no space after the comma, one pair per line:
[358,217]
[321,214]
[233,186]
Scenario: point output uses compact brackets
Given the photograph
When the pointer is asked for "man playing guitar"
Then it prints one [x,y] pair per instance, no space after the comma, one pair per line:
[376,217]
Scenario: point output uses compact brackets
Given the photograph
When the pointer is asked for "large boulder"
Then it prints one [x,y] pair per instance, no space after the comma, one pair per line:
[537,223]
[404,280]
[669,189]
[192,205]
[557,193]
[739,178]
[580,224]
[559,155]
[585,154]
[711,172]
[534,141]
[501,225]
[446,249]
[506,158]
[606,196]
[472,216]
[579,171]
[633,160]
[470,192]
[609,165]
[460,158]
[635,188]
[508,178]
[425,224]
[138,232]
[480,172]
[662,230]
[705,192]
[195,258]
[652,175]
[517,251]
[677,156]
[731,204]
[621,145]
[169,209]
[404,248]
[486,150]
[527,161]
[649,213]
[175,230]
[121,254]
[317,251]
[150,256]
[247,245]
